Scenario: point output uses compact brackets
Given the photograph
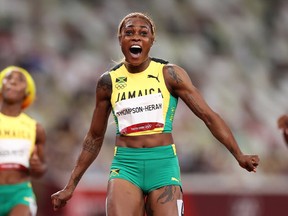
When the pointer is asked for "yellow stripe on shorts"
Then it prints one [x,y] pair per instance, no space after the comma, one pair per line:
[174,149]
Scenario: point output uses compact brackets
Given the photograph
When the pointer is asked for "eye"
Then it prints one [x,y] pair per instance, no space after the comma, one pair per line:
[144,33]
[128,32]
[16,77]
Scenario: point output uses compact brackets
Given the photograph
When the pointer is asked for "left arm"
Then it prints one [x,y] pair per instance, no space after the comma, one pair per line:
[37,160]
[180,85]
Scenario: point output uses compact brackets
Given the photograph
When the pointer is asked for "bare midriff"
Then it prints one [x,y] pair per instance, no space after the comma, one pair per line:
[145,141]
[13,176]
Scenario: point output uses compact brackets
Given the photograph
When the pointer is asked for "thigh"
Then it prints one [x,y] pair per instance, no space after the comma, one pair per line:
[167,200]
[124,199]
[20,210]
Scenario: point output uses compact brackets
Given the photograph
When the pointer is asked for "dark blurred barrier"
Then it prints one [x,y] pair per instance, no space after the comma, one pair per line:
[87,203]
[92,203]
[235,205]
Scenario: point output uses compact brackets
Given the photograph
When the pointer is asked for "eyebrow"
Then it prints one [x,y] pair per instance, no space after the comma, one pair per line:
[131,26]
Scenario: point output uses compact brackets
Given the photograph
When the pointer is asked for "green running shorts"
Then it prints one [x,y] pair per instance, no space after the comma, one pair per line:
[147,168]
[15,194]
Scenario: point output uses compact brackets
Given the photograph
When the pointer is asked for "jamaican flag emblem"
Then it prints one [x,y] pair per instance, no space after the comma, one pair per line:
[114,172]
[121,83]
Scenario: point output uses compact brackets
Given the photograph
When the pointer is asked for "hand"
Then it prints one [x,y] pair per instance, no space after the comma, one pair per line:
[249,162]
[37,167]
[60,199]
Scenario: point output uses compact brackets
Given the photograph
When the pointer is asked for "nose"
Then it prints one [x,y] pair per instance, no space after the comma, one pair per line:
[136,37]
[13,80]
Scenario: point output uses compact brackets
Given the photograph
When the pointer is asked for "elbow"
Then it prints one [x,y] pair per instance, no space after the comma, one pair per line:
[210,118]
[39,172]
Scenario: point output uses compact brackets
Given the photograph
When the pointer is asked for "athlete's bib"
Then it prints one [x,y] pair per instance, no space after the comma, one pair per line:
[140,114]
[17,141]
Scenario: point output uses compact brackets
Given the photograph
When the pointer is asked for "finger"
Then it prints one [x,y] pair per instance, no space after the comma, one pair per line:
[58,203]
[55,203]
[255,159]
[255,162]
[34,156]
[249,166]
[254,166]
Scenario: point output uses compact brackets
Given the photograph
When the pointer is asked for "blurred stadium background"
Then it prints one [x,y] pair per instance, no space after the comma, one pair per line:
[236,53]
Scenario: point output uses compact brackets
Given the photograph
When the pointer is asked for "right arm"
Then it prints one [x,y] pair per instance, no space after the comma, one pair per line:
[283,125]
[92,142]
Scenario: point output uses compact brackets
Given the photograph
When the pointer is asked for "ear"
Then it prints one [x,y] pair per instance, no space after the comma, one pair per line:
[119,40]
[26,94]
[152,41]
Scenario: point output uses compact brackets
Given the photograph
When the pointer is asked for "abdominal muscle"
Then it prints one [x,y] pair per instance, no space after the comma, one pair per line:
[13,176]
[145,141]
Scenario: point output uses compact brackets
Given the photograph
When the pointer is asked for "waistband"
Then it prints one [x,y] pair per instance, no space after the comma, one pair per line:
[158,152]
[17,186]
[12,166]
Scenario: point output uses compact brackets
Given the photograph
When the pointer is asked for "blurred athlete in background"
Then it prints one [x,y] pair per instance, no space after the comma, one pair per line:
[142,93]
[283,125]
[22,142]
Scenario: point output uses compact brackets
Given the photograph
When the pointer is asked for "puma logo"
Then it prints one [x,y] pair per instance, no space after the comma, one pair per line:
[174,179]
[152,76]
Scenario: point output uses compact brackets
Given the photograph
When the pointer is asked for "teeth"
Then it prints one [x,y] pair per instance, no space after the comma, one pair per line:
[135,46]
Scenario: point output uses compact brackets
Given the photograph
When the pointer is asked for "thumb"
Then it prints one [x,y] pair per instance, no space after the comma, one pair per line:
[34,154]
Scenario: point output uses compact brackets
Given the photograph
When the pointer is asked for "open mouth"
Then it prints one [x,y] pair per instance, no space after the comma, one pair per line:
[135,50]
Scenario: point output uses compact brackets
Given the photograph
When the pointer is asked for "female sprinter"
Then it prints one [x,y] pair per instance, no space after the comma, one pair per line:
[22,142]
[142,93]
